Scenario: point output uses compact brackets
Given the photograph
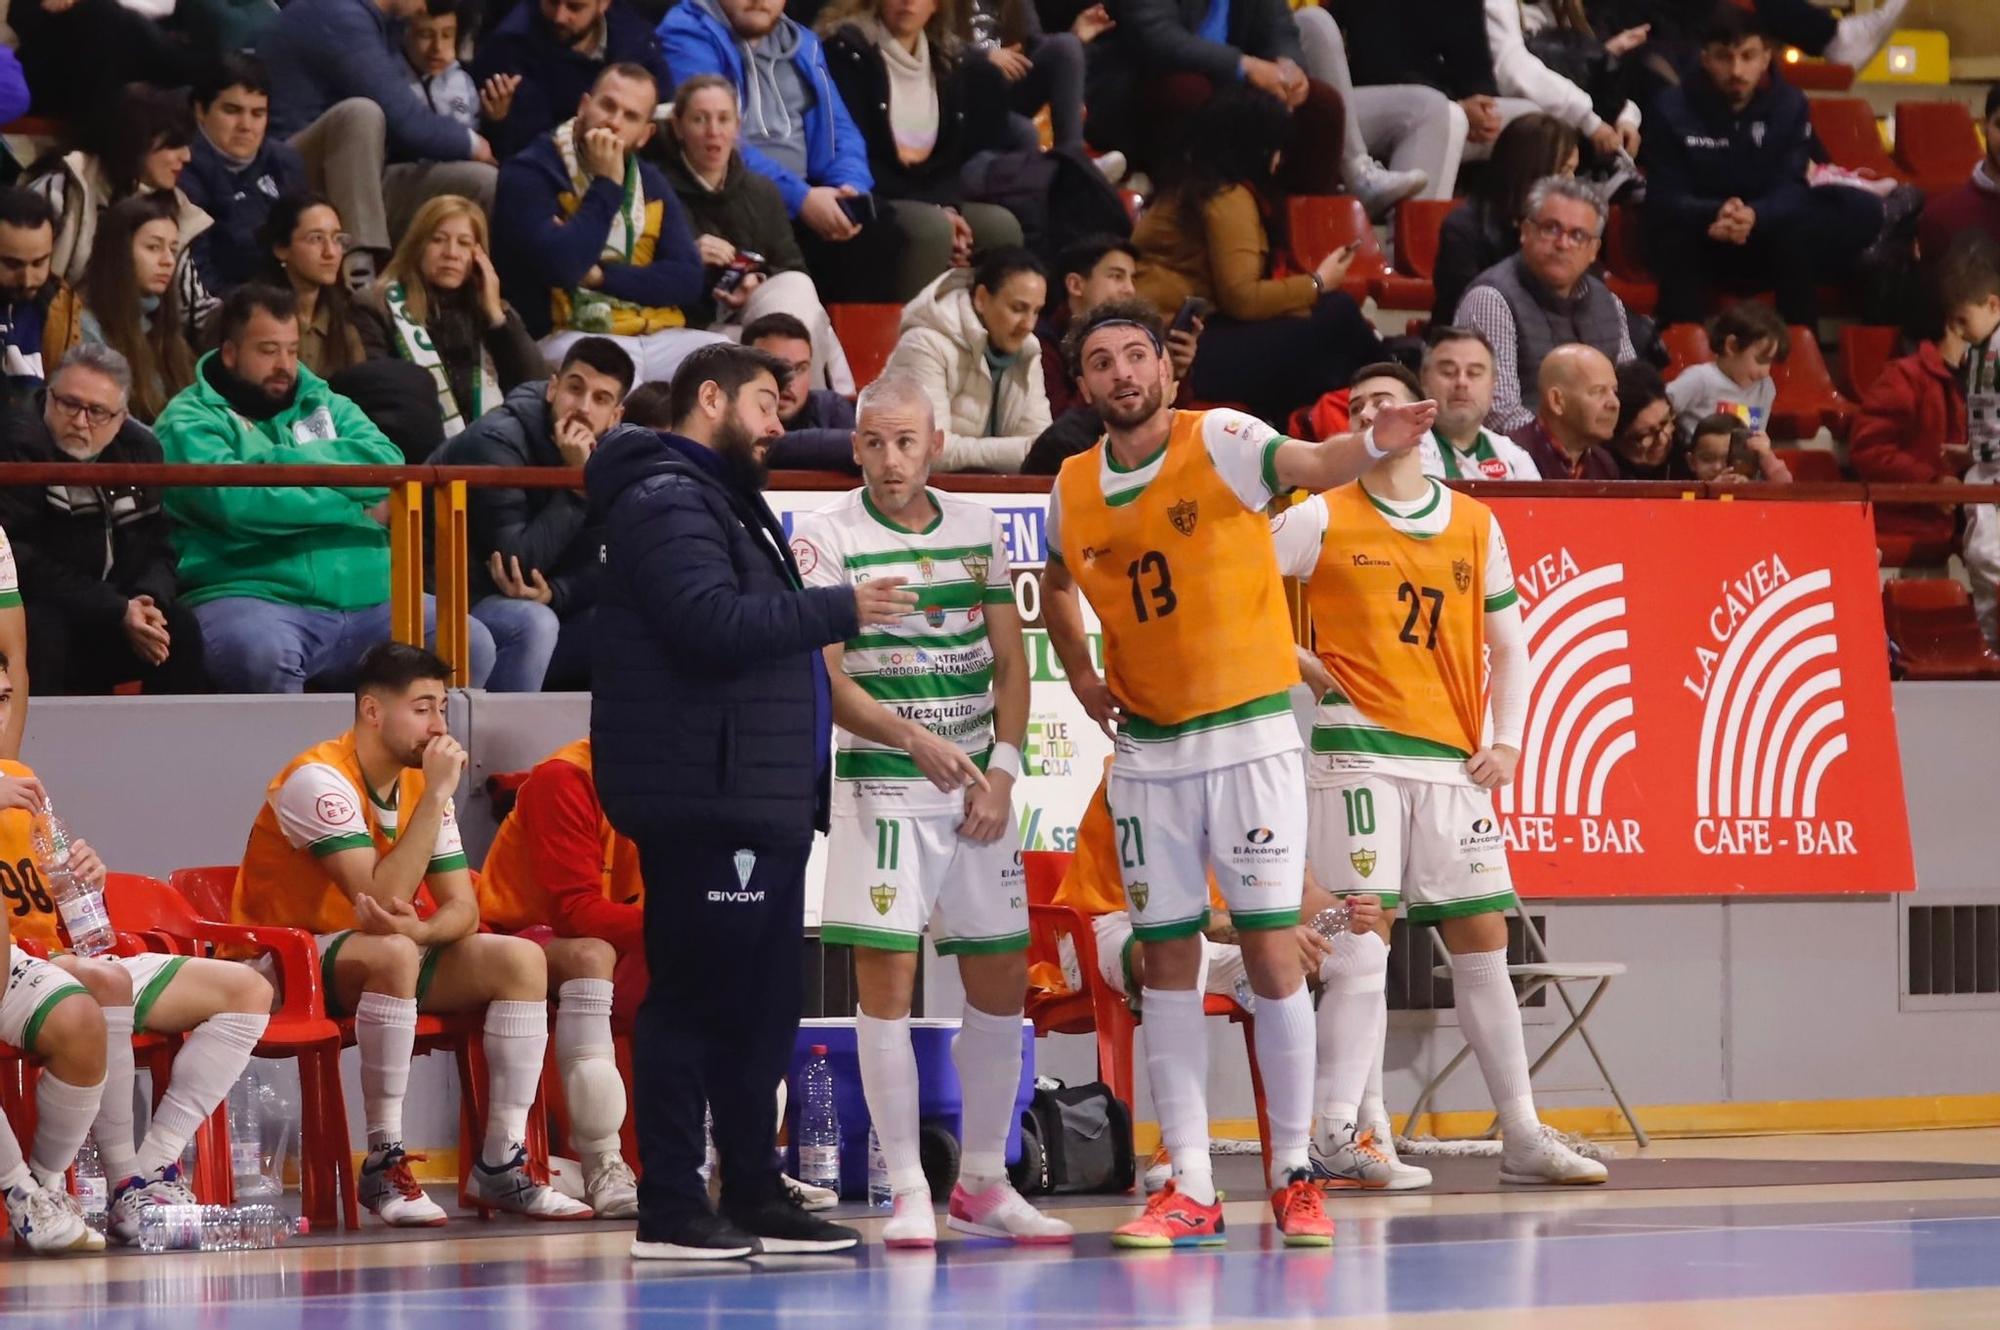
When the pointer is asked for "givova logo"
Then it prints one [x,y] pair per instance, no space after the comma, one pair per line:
[1580,724]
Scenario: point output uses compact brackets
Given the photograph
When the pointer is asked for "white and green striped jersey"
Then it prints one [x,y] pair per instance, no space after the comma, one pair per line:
[934,667]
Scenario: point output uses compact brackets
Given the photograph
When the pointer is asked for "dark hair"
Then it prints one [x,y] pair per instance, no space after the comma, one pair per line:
[651,405]
[1138,312]
[625,69]
[1749,322]
[1439,333]
[440,8]
[603,355]
[391,667]
[1231,142]
[1992,100]
[1639,386]
[1082,256]
[235,69]
[1389,369]
[1729,24]
[775,325]
[23,208]
[1529,148]
[162,362]
[726,365]
[1720,422]
[237,307]
[126,128]
[996,266]
[276,233]
[1969,271]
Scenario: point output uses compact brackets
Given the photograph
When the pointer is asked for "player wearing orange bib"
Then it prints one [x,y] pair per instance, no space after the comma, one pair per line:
[1161,526]
[1411,594]
[352,831]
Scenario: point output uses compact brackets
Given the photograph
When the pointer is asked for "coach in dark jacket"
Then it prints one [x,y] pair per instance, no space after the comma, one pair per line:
[711,724]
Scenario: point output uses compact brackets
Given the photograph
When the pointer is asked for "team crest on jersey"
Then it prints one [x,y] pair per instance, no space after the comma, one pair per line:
[1140,894]
[975,567]
[882,895]
[925,567]
[1183,515]
[1461,573]
[746,864]
[1363,861]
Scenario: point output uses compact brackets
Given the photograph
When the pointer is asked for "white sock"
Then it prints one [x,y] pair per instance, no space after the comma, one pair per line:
[385,1030]
[1374,1112]
[517,1039]
[1177,1067]
[889,1083]
[1352,1016]
[1491,1019]
[592,1087]
[63,1117]
[1285,1055]
[114,1111]
[987,1054]
[209,1062]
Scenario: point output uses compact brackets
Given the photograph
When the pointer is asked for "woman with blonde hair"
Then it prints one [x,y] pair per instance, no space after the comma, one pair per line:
[437,305]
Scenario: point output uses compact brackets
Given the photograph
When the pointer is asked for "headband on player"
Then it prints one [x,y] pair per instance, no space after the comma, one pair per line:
[1159,347]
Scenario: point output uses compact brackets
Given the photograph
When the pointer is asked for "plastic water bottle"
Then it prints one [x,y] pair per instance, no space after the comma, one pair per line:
[80,904]
[819,1124]
[1334,920]
[879,1194]
[93,1191]
[246,1136]
[279,1113]
[215,1228]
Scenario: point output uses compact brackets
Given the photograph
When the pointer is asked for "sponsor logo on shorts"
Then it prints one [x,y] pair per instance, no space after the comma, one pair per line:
[1478,866]
[1260,843]
[1482,835]
[1184,515]
[1363,861]
[1140,893]
[882,895]
[1252,882]
[1260,835]
[1461,574]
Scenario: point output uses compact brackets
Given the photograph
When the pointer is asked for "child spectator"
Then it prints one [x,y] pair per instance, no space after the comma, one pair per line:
[1748,338]
[1723,450]
[430,44]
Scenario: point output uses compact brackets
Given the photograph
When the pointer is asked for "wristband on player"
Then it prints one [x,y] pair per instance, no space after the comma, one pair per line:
[1368,442]
[1006,757]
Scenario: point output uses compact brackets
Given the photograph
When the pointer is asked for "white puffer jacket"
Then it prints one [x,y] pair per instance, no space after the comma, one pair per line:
[942,345]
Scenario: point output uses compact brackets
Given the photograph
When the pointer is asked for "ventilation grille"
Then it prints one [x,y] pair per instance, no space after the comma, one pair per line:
[1954,950]
[1414,953]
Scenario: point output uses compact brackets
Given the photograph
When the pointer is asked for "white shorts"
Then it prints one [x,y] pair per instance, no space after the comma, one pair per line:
[328,945]
[1247,820]
[151,972]
[1221,965]
[34,989]
[1435,849]
[888,879]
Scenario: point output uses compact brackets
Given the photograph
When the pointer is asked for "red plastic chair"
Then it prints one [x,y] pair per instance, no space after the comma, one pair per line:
[1810,466]
[1415,233]
[1937,143]
[868,334]
[1100,1009]
[1807,398]
[1931,619]
[1864,350]
[1625,261]
[1322,223]
[1686,344]
[1846,129]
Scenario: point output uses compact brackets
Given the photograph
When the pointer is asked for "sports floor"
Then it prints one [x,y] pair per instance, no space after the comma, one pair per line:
[1642,1253]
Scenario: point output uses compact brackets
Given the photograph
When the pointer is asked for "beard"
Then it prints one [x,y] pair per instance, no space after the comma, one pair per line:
[1128,415]
[740,452]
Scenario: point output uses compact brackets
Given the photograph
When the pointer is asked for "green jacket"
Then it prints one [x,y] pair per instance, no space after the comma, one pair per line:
[314,547]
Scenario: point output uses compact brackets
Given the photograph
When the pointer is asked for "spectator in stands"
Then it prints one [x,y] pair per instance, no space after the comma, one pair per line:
[430,50]
[819,422]
[289,582]
[438,306]
[237,171]
[1974,205]
[1447,51]
[1577,390]
[341,93]
[969,338]
[543,57]
[1722,450]
[1457,374]
[1042,68]
[923,110]
[1408,125]
[131,305]
[536,553]
[13,87]
[78,54]
[1485,229]
[305,243]
[1727,203]
[589,239]
[138,144]
[1643,440]
[1274,343]
[1934,418]
[96,563]
[1546,296]
[1748,338]
[38,312]
[733,210]
[1521,74]
[799,134]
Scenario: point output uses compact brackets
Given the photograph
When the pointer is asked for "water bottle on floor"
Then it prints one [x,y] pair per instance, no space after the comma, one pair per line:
[93,1191]
[246,1135]
[215,1228]
[819,1124]
[80,904]
[879,1194]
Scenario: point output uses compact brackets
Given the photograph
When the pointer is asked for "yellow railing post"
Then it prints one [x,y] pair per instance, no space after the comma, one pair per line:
[454,642]
[406,562]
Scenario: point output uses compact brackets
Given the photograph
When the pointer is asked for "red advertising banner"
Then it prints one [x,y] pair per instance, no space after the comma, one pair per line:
[1711,711]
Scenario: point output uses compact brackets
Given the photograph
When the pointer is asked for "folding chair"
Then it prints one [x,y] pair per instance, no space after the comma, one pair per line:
[1535,976]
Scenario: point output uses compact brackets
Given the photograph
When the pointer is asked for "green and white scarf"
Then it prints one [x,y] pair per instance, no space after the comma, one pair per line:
[413,341]
[594,311]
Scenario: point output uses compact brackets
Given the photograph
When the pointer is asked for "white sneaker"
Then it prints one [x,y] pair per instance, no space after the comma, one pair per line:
[1112,164]
[1402,1176]
[387,1187]
[609,1184]
[808,1196]
[1000,1212]
[139,1193]
[1858,37]
[1543,1158]
[50,1221]
[1381,189]
[912,1222]
[511,1187]
[1347,1158]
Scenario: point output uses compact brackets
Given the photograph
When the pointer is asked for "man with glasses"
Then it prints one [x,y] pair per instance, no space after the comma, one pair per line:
[1458,375]
[1545,296]
[96,564]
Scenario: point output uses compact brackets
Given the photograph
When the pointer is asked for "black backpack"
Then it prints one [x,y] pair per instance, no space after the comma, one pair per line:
[1074,1140]
[1059,196]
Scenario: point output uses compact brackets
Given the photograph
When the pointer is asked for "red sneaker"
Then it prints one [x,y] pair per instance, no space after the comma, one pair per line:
[1300,1213]
[1173,1220]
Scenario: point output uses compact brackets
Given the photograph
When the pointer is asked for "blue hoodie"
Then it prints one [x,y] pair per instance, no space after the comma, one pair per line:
[697,40]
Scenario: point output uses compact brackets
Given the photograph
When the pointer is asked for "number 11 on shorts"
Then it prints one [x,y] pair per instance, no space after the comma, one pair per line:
[888,843]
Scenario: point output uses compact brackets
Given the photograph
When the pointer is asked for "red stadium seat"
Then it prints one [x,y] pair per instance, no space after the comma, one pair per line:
[1819,76]
[1846,128]
[1624,259]
[1686,344]
[1811,466]
[868,334]
[1937,143]
[1415,232]
[1931,619]
[1322,223]
[1901,551]
[1807,398]
[1864,349]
